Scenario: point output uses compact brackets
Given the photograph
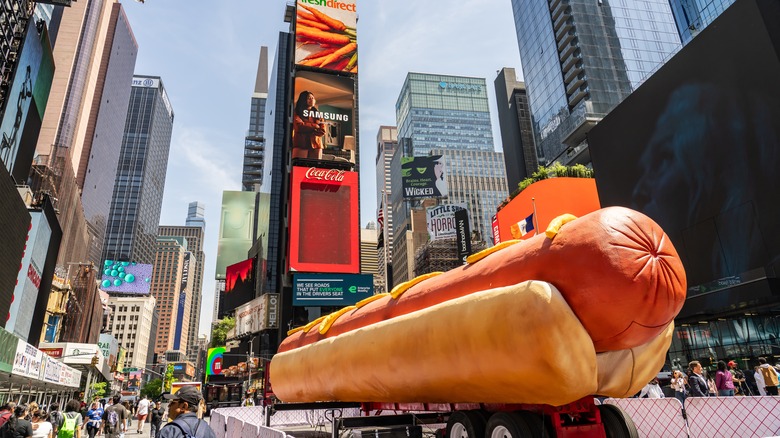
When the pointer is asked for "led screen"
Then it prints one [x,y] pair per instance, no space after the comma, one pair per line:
[326,35]
[126,277]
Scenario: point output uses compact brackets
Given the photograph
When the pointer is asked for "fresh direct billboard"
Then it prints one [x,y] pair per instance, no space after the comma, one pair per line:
[239,286]
[236,229]
[326,35]
[323,119]
[324,229]
[331,289]
[423,177]
[126,277]
[256,315]
[441,220]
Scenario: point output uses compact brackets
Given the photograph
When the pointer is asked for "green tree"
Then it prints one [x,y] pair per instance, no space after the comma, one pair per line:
[98,390]
[168,378]
[153,389]
[219,331]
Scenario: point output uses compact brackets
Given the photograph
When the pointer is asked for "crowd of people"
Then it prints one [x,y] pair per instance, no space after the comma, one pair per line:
[112,418]
[726,381]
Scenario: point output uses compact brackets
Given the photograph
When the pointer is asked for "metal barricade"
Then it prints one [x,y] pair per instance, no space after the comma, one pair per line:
[733,416]
[654,417]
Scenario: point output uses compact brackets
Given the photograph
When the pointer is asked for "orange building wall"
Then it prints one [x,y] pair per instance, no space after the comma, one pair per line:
[553,197]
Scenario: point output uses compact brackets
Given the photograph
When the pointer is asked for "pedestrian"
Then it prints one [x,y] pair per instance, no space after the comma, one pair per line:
[94,417]
[17,426]
[652,390]
[770,376]
[32,408]
[759,381]
[6,412]
[142,411]
[128,406]
[55,418]
[71,421]
[696,381]
[182,409]
[678,384]
[248,400]
[114,420]
[156,418]
[42,428]
[724,380]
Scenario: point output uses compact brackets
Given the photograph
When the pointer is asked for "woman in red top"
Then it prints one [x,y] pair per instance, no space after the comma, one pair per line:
[724,381]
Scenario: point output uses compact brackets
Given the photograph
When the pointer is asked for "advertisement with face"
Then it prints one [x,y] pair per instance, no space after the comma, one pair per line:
[126,277]
[326,35]
[323,119]
[324,230]
[441,220]
[424,177]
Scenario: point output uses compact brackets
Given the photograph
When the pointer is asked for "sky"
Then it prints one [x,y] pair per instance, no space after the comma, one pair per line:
[207,54]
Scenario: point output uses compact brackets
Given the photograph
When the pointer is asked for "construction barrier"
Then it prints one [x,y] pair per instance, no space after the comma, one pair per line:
[733,416]
[654,417]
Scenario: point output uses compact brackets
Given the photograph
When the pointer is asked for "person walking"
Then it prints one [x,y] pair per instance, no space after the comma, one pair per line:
[155,419]
[652,390]
[6,412]
[182,409]
[770,376]
[678,384]
[94,417]
[142,412]
[696,381]
[71,421]
[114,420]
[42,428]
[17,426]
[55,418]
[760,384]
[248,400]
[724,380]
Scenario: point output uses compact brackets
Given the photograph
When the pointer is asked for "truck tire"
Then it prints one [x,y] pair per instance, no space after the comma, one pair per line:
[520,424]
[466,424]
[617,424]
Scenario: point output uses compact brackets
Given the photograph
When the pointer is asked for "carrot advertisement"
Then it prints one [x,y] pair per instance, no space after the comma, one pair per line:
[326,35]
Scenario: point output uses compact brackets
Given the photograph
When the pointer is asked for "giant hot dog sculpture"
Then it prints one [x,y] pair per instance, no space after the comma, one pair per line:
[546,320]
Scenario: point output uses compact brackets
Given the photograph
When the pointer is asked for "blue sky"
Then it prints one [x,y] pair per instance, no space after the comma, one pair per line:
[207,52]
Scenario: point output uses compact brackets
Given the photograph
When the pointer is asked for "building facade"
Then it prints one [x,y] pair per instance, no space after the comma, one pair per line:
[581,58]
[692,17]
[131,325]
[386,145]
[368,253]
[196,215]
[171,287]
[517,136]
[442,111]
[194,236]
[137,194]
[17,14]
[254,143]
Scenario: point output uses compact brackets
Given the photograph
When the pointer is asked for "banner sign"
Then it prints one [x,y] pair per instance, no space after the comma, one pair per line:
[28,360]
[255,316]
[464,234]
[496,233]
[441,220]
[331,289]
[51,370]
[326,35]
[423,177]
[8,344]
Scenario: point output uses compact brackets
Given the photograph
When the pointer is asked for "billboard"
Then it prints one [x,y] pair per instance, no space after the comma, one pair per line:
[239,286]
[28,360]
[214,361]
[126,277]
[236,229]
[256,315]
[441,220]
[109,346]
[697,149]
[424,177]
[182,304]
[324,117]
[324,229]
[28,283]
[331,289]
[326,35]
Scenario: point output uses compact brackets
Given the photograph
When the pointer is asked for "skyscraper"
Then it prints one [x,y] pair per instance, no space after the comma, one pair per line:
[254,143]
[137,196]
[517,136]
[171,287]
[442,111]
[196,215]
[581,58]
[386,145]
[195,237]
[692,17]
[17,14]
[368,253]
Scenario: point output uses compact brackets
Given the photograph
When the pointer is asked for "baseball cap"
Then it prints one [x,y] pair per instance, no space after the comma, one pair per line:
[732,363]
[189,394]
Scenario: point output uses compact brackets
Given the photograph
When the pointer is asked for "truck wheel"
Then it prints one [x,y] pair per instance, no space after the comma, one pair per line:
[519,424]
[465,424]
[617,424]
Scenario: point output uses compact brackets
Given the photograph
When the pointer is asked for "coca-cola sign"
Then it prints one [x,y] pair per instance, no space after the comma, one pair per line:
[316,173]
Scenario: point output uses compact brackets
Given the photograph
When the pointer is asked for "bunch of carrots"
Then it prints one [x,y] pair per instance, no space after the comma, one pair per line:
[337,42]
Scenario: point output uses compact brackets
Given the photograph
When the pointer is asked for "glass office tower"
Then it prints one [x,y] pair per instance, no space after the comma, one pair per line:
[137,201]
[441,111]
[581,58]
[693,16]
[254,142]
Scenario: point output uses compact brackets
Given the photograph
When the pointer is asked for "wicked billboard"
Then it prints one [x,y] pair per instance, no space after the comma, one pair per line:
[423,177]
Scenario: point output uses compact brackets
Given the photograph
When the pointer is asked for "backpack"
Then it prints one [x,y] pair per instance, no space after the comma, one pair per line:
[56,420]
[112,419]
[770,376]
[185,434]
[68,429]
[4,418]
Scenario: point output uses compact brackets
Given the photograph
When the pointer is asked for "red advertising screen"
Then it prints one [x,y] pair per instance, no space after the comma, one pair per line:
[324,221]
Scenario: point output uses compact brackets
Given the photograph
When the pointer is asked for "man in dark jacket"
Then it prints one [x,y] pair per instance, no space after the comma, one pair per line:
[182,409]
[696,381]
[155,419]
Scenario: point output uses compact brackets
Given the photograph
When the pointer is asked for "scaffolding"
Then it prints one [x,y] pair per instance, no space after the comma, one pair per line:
[441,255]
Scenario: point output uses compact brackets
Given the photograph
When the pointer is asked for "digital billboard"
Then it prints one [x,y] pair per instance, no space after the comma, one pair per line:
[323,119]
[331,289]
[256,315]
[28,283]
[182,304]
[441,220]
[326,35]
[126,277]
[236,229]
[324,229]
[424,177]
[214,361]
[239,287]
[697,149]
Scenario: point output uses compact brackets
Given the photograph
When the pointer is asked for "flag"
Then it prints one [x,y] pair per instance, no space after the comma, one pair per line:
[523,227]
[380,218]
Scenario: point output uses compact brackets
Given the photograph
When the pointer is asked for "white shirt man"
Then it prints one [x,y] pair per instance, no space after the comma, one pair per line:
[142,412]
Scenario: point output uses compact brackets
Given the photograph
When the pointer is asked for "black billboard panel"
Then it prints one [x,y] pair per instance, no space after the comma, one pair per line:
[697,148]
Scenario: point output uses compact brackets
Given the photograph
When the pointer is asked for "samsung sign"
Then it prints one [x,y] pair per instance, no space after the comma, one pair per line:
[451,86]
[331,289]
